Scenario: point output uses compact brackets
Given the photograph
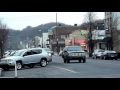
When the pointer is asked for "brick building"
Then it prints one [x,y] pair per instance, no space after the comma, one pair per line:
[60,33]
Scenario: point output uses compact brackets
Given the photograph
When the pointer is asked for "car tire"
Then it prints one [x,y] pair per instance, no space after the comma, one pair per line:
[80,61]
[115,58]
[68,61]
[19,65]
[43,62]
[84,60]
[100,58]
[105,58]
[65,60]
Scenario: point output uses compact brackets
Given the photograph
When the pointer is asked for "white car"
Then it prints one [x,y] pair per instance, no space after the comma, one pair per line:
[97,53]
[26,57]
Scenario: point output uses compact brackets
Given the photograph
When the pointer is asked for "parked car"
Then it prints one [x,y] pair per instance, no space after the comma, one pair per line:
[109,54]
[49,51]
[73,53]
[26,57]
[97,53]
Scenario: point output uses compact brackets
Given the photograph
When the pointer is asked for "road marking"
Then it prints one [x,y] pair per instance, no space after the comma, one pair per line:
[65,69]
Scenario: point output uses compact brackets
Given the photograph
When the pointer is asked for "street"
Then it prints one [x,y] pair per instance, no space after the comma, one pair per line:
[57,69]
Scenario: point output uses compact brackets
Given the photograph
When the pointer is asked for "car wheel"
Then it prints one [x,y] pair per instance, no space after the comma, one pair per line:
[65,60]
[100,57]
[18,65]
[43,62]
[68,61]
[80,61]
[105,58]
[84,60]
[115,58]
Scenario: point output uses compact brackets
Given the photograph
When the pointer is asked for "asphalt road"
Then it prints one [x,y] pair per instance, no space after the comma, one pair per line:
[57,69]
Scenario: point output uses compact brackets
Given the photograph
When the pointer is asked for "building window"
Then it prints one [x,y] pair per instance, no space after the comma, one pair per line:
[65,36]
[62,36]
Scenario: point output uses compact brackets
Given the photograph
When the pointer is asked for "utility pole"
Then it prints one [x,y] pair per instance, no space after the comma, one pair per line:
[56,19]
[57,45]
[56,32]
[42,39]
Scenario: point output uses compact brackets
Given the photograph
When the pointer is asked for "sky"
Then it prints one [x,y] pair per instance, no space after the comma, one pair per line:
[20,20]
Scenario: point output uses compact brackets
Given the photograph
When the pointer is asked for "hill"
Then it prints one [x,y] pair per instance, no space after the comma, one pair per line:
[15,36]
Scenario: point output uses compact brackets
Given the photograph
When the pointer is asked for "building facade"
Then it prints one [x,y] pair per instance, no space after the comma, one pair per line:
[112,26]
[58,34]
[98,39]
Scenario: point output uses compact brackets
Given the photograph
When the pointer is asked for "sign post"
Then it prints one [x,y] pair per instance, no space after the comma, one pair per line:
[15,70]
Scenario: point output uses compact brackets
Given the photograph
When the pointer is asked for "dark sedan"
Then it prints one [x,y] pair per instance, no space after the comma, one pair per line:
[109,54]
[73,53]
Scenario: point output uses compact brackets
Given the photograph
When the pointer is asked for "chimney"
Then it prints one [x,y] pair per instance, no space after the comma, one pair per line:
[75,24]
[59,24]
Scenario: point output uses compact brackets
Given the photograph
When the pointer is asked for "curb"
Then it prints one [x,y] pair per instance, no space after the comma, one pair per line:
[0,72]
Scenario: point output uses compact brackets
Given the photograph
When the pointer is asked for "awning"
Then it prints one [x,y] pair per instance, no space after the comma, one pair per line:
[80,41]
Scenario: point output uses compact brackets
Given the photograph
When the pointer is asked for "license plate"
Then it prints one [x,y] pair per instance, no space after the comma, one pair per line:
[76,54]
[112,56]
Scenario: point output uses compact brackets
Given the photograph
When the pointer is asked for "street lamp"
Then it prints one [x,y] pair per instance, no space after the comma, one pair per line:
[42,37]
[57,45]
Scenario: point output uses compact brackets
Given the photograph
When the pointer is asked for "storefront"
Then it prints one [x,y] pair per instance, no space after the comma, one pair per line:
[82,43]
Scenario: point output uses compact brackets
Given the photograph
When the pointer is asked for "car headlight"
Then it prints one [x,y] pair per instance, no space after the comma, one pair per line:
[83,54]
[10,60]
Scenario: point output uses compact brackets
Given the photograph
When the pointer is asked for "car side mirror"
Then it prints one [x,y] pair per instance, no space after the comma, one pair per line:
[65,50]
[24,55]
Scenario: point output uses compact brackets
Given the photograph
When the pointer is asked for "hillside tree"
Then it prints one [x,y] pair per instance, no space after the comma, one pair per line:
[115,32]
[4,31]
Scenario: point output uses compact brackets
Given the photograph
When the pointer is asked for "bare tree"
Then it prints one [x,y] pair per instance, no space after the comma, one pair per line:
[89,19]
[115,32]
[3,37]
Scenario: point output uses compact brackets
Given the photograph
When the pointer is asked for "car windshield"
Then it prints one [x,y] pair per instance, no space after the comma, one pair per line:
[12,53]
[100,50]
[74,49]
[18,53]
[110,51]
[47,49]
